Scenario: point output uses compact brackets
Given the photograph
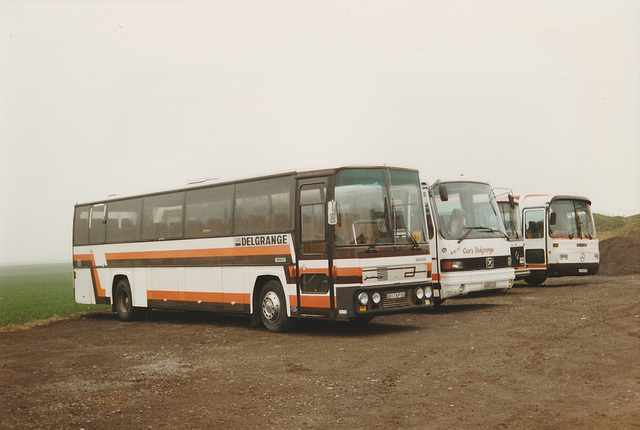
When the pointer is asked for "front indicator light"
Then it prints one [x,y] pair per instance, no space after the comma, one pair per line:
[452,265]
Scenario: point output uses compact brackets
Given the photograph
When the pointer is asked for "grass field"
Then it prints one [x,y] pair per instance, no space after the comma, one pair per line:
[617,226]
[37,292]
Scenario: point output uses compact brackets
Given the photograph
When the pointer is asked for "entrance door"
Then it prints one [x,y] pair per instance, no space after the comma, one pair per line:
[314,281]
[534,238]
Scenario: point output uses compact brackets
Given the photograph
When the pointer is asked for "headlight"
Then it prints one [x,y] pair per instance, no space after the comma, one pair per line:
[419,293]
[509,261]
[428,292]
[376,298]
[522,261]
[363,298]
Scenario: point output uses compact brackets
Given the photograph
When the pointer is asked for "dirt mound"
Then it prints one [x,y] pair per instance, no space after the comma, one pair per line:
[620,256]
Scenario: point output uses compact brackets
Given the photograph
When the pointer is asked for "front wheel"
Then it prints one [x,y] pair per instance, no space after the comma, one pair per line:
[437,301]
[534,281]
[123,302]
[273,308]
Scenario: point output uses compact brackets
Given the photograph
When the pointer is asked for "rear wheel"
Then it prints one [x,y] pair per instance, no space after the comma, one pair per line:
[123,302]
[273,308]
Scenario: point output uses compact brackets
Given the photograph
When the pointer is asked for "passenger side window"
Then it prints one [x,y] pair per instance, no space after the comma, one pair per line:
[81,226]
[123,220]
[263,206]
[96,225]
[208,211]
[162,216]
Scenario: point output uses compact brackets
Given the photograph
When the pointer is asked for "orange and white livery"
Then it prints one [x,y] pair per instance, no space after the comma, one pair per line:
[469,246]
[560,236]
[344,243]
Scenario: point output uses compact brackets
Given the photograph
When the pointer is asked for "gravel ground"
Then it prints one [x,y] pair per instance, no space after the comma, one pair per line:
[562,355]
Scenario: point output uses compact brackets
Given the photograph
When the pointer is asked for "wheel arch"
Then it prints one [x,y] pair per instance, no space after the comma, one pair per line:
[257,287]
[117,277]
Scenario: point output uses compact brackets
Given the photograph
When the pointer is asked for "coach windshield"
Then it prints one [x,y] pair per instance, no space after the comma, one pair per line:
[378,206]
[467,210]
[571,219]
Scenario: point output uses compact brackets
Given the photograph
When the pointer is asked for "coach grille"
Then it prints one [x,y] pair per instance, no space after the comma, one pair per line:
[383,273]
[480,263]
[396,302]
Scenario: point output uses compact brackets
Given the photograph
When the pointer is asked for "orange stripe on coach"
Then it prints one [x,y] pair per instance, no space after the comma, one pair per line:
[196,253]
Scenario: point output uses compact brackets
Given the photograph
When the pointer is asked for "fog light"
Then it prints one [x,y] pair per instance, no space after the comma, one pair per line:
[419,293]
[428,292]
[363,298]
[376,298]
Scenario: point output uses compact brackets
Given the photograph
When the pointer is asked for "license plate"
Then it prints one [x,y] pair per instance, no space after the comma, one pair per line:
[583,270]
[397,295]
[489,284]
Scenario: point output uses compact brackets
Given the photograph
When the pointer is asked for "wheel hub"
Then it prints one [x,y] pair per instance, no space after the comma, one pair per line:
[271,306]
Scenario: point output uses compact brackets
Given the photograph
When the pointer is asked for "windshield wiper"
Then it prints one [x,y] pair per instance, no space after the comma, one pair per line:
[383,220]
[373,244]
[480,227]
[408,233]
[404,223]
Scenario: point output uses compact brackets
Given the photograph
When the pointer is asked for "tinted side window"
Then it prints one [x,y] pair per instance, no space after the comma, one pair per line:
[534,224]
[209,212]
[312,209]
[162,216]
[123,220]
[96,224]
[263,206]
[81,226]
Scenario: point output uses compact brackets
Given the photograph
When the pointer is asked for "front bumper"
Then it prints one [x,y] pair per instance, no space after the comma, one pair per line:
[459,284]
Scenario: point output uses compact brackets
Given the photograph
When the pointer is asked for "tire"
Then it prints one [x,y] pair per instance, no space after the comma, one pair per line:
[273,308]
[123,302]
[535,281]
[437,301]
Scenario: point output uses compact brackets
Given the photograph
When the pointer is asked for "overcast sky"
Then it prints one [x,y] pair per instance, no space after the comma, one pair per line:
[104,97]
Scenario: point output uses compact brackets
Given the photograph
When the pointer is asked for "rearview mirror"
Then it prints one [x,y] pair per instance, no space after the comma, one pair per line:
[512,202]
[332,212]
[552,218]
[442,190]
